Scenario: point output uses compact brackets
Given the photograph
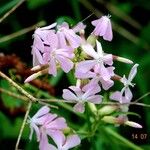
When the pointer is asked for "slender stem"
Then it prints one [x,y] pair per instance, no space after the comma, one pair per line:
[21,32]
[13,94]
[12,10]
[33,99]
[122,139]
[23,125]
[143,96]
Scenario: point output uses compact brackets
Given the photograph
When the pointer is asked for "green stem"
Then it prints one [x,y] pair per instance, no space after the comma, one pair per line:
[122,139]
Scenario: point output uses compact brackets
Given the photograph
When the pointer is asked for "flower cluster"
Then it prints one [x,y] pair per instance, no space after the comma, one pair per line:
[61,47]
[46,125]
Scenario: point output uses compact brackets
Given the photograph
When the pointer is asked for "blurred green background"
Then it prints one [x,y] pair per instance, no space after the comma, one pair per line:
[131,24]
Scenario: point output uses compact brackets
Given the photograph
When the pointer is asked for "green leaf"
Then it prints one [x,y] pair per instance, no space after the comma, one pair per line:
[9,101]
[33,4]
[54,80]
[71,77]
[67,19]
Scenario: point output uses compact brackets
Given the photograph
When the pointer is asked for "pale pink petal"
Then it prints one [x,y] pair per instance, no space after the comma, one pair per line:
[128,94]
[77,90]
[65,63]
[52,40]
[68,95]
[84,67]
[52,67]
[96,99]
[57,124]
[42,111]
[91,91]
[124,80]
[116,96]
[49,118]
[95,22]
[79,107]
[99,49]
[108,33]
[65,52]
[49,27]
[36,129]
[46,57]
[87,48]
[106,84]
[108,59]
[101,27]
[61,39]
[80,26]
[37,57]
[73,39]
[71,141]
[38,43]
[133,72]
[58,137]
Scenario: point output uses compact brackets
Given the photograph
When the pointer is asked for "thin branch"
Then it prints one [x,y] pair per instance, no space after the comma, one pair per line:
[143,96]
[14,95]
[103,103]
[12,10]
[21,32]
[25,98]
[23,125]
[33,99]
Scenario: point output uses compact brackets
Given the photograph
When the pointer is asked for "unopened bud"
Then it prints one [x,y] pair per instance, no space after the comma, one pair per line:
[106,110]
[92,108]
[66,130]
[133,124]
[122,59]
[114,120]
[109,119]
[39,67]
[35,75]
[92,39]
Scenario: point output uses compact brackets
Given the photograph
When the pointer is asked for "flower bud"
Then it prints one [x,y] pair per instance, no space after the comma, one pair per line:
[66,130]
[106,110]
[35,75]
[109,119]
[133,124]
[92,39]
[92,108]
[122,59]
[114,120]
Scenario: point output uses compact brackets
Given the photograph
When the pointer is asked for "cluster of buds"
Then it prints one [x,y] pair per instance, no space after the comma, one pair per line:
[61,47]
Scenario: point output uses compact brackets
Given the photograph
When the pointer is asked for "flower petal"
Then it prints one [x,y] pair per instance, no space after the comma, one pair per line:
[68,95]
[72,141]
[79,107]
[66,64]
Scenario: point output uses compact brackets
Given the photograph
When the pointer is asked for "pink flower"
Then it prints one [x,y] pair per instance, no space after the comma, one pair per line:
[103,28]
[65,143]
[125,95]
[106,83]
[83,69]
[43,37]
[79,27]
[38,119]
[43,120]
[67,37]
[59,56]
[80,96]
